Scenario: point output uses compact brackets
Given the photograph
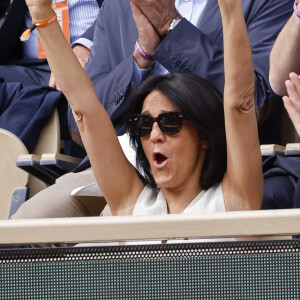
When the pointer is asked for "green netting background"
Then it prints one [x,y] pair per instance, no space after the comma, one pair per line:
[240,270]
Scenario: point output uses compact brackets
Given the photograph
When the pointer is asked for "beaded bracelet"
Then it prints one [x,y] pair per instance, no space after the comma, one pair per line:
[296,10]
[141,52]
[42,23]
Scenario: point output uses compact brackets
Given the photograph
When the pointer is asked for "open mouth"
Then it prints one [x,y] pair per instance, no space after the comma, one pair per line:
[159,159]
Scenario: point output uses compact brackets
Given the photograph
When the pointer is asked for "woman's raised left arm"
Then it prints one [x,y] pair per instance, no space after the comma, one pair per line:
[243,181]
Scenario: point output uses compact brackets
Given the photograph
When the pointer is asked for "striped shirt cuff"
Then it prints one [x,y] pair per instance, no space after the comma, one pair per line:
[84,42]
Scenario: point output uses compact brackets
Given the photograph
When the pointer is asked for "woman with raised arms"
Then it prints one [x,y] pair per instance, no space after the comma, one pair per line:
[186,162]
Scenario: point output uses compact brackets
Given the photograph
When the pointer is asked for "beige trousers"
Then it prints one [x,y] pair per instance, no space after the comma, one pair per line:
[56,201]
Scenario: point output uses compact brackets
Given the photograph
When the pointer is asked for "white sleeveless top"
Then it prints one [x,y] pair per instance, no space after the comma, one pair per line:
[152,202]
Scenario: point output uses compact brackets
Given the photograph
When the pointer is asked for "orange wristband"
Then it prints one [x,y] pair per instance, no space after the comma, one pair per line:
[42,23]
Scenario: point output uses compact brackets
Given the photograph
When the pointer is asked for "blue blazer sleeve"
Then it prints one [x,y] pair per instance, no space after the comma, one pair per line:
[200,51]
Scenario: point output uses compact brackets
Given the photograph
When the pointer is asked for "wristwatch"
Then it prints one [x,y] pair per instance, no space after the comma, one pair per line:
[174,23]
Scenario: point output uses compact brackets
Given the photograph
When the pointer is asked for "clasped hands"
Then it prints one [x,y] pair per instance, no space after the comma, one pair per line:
[152,19]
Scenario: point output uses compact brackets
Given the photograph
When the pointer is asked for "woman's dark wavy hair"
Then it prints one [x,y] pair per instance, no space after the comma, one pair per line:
[202,104]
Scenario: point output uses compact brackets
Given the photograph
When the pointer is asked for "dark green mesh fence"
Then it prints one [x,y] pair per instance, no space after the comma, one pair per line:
[241,270]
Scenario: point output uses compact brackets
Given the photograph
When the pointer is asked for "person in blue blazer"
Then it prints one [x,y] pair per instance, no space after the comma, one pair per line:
[187,48]
[190,41]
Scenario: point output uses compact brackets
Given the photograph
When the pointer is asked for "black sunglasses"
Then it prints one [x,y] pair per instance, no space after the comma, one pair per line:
[169,123]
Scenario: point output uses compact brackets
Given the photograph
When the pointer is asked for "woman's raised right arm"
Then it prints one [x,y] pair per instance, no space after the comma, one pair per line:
[116,177]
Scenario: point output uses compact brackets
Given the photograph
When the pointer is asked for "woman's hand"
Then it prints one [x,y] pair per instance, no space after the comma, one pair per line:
[38,3]
[292,102]
[39,9]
